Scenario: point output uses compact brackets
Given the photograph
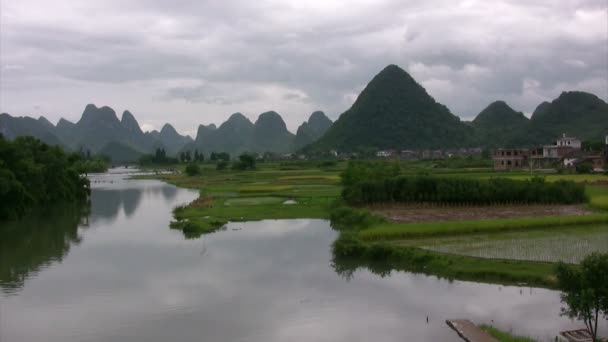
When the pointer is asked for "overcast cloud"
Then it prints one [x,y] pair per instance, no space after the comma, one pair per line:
[197,62]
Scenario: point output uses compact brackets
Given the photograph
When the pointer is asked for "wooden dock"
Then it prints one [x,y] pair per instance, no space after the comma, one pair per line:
[469,332]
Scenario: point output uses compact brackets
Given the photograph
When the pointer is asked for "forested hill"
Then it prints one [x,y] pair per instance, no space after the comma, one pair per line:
[575,113]
[33,173]
[394,111]
[311,130]
[499,125]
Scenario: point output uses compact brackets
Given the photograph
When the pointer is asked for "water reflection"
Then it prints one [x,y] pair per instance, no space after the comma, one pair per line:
[114,194]
[36,242]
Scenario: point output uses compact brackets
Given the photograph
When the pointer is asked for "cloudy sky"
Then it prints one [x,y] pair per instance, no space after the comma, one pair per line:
[191,62]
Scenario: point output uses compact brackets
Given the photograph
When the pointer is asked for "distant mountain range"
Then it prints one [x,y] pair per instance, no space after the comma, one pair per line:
[392,112]
[100,131]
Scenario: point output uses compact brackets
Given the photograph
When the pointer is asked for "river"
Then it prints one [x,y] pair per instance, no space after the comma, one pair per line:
[118,273]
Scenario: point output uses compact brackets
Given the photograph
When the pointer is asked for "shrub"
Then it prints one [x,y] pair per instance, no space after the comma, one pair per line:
[346,218]
[193,169]
[585,167]
[245,162]
[221,165]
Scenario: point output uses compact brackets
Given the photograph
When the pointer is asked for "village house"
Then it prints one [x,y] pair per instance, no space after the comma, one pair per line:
[565,152]
[510,158]
[437,154]
[426,154]
[386,154]
[597,160]
[463,152]
[429,154]
[408,155]
[347,155]
[561,147]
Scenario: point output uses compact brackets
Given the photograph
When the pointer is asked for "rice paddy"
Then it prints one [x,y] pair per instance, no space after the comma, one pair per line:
[265,188]
[252,201]
[568,245]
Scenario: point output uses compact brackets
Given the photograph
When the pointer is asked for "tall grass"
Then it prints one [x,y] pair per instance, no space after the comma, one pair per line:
[424,189]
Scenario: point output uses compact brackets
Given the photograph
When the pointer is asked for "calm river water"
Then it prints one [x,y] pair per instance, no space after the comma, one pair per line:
[118,273]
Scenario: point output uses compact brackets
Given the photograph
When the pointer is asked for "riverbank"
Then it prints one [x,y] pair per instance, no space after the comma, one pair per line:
[504,336]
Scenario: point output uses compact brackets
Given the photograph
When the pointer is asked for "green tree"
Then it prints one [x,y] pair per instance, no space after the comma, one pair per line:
[584,167]
[199,157]
[585,290]
[193,169]
[221,165]
[35,174]
[245,162]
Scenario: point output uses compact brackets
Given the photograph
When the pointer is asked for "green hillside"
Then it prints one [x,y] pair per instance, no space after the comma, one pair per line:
[394,111]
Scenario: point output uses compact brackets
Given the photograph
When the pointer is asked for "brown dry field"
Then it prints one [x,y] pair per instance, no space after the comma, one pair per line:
[411,214]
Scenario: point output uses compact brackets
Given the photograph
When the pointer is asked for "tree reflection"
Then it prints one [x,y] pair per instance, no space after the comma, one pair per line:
[108,203]
[35,242]
[347,266]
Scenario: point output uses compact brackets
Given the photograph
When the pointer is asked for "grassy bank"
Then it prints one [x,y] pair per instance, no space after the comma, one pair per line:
[382,258]
[273,191]
[504,336]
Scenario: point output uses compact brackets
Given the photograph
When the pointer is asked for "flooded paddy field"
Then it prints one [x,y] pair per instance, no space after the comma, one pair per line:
[567,244]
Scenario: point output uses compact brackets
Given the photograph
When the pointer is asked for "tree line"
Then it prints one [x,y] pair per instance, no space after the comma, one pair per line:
[33,174]
[160,157]
[245,162]
[370,184]
[89,162]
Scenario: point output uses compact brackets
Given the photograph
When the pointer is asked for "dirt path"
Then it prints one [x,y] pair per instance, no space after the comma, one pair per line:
[409,214]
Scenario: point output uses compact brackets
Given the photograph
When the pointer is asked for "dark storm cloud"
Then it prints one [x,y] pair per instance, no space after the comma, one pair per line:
[193,57]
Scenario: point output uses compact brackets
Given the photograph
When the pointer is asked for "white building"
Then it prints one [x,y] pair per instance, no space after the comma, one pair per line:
[569,142]
[386,154]
[561,147]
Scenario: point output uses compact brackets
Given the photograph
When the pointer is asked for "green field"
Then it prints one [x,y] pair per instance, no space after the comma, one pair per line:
[267,193]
